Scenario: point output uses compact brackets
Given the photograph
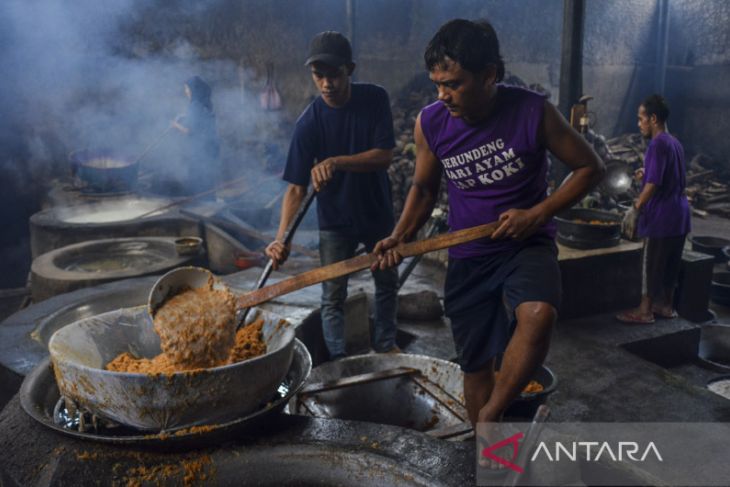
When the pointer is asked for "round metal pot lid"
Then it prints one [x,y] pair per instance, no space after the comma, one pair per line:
[113,258]
[39,396]
[120,211]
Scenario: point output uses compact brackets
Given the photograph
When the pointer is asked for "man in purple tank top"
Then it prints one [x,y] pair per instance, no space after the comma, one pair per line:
[501,293]
[664,216]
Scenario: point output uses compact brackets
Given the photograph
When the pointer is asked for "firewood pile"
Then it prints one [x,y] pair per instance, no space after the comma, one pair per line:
[629,148]
[707,186]
[418,93]
[707,179]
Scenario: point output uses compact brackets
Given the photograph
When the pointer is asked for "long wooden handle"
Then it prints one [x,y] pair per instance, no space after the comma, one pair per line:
[361,262]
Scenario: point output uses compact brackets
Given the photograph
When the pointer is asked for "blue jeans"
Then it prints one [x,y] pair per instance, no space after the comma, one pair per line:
[333,247]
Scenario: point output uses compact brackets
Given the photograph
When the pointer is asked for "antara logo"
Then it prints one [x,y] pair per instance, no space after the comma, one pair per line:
[514,440]
[592,451]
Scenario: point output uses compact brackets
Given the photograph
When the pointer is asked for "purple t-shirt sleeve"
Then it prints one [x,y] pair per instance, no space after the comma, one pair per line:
[383,136]
[302,152]
[655,163]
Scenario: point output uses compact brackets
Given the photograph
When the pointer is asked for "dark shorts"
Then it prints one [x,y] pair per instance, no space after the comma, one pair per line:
[481,295]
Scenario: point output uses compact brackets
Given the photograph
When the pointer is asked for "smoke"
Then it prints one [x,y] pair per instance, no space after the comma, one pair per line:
[89,74]
[109,75]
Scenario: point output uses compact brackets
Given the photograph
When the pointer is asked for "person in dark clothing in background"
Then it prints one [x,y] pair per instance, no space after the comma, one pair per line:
[348,131]
[664,216]
[198,168]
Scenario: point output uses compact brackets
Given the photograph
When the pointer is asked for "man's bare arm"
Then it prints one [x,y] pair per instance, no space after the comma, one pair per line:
[293,198]
[366,161]
[572,149]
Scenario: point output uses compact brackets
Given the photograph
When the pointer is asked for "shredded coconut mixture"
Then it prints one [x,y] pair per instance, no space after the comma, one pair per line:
[197,329]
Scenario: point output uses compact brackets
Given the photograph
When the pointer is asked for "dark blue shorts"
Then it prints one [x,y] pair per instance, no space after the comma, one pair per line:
[482,293]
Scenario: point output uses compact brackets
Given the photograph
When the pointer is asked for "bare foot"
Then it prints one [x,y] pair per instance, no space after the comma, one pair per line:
[664,312]
[635,316]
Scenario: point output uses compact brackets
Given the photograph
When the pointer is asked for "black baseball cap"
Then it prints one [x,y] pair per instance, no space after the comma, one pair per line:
[331,48]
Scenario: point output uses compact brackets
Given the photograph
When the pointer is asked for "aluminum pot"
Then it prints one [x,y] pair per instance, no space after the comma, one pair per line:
[103,170]
[159,402]
[576,231]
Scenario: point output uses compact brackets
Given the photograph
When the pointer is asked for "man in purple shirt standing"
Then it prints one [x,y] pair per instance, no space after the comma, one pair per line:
[491,141]
[664,216]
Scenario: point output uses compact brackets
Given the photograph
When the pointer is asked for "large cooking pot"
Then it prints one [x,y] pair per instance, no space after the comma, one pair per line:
[103,170]
[80,351]
[582,228]
[710,245]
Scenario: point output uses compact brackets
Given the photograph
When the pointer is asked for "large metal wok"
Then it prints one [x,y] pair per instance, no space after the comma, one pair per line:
[618,179]
[103,170]
[413,391]
[158,402]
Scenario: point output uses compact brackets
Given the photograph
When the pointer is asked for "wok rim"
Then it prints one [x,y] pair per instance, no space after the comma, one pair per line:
[175,375]
[170,438]
[81,157]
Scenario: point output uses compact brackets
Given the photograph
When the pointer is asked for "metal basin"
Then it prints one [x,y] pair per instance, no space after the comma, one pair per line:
[710,245]
[80,351]
[400,400]
[576,231]
[103,170]
[39,396]
[397,401]
[116,217]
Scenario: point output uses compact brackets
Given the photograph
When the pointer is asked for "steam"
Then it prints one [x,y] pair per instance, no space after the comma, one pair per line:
[85,75]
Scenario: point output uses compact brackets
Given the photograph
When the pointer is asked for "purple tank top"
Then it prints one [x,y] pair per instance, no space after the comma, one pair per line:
[491,167]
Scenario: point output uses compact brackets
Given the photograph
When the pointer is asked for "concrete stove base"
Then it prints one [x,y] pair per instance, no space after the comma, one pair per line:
[293,450]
